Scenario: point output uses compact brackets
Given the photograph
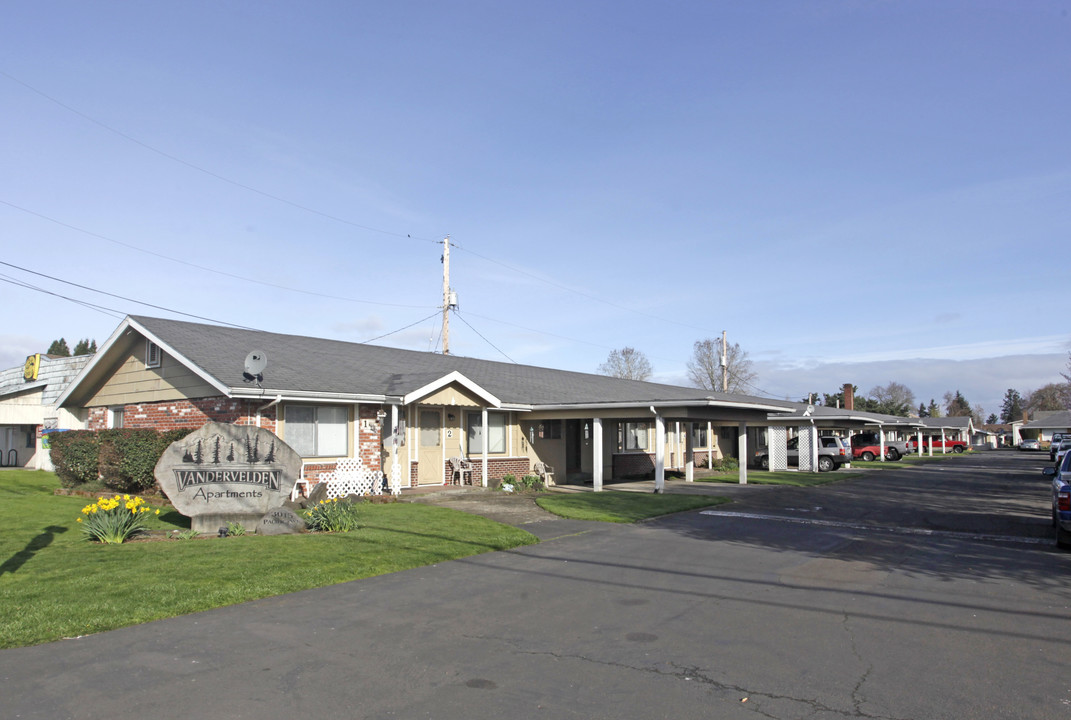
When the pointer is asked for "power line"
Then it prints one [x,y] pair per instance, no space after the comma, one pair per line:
[198,168]
[392,332]
[462,319]
[118,297]
[577,292]
[110,312]
[203,267]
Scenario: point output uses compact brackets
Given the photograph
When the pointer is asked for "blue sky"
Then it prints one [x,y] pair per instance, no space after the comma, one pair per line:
[855,191]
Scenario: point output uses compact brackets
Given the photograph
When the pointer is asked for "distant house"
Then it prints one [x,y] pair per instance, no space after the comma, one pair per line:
[1044,424]
[27,398]
[412,415]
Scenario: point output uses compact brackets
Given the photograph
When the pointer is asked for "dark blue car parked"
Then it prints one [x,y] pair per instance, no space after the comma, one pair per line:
[1061,499]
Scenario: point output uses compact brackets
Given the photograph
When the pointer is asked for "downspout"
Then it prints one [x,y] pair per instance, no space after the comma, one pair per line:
[278,399]
[660,453]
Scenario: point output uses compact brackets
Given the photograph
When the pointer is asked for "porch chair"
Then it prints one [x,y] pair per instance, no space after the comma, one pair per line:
[459,467]
[545,473]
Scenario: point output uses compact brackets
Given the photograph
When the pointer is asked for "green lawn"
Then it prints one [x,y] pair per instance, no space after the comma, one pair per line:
[781,477]
[622,507]
[55,584]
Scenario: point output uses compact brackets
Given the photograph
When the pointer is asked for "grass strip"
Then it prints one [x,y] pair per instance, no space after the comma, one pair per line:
[55,584]
[622,507]
[781,477]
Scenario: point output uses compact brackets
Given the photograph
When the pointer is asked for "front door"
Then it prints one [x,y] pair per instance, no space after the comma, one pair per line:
[430,454]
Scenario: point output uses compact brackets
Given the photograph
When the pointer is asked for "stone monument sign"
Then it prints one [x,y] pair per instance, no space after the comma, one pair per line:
[227,473]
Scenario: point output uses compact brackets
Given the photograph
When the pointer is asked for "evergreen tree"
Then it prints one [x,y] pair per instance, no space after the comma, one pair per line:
[59,348]
[992,419]
[934,410]
[956,405]
[85,347]
[1012,409]
[922,410]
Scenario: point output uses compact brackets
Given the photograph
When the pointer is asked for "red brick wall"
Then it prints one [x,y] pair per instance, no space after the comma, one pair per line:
[371,436]
[496,469]
[632,464]
[177,414]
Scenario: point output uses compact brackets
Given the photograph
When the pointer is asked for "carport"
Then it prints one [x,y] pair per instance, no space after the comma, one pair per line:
[810,419]
[599,422]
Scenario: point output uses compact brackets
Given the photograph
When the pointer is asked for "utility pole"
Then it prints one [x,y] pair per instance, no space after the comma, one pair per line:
[724,365]
[449,298]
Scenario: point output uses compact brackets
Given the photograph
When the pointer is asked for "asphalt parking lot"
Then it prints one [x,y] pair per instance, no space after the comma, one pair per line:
[926,592]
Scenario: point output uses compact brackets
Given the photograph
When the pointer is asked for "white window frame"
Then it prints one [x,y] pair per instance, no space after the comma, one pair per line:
[317,450]
[636,436]
[153,354]
[474,433]
[115,417]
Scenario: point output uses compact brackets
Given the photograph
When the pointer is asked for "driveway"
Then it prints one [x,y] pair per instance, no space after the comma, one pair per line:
[787,604]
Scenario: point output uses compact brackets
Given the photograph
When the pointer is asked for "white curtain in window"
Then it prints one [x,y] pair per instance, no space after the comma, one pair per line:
[332,429]
[300,429]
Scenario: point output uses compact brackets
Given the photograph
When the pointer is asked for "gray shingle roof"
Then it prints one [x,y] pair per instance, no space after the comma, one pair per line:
[316,365]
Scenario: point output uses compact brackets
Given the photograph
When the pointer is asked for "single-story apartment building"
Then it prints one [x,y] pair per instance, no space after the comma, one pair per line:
[419,418]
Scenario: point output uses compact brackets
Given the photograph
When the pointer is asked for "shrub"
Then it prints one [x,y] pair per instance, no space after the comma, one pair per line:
[75,455]
[123,459]
[530,482]
[332,516]
[235,529]
[725,464]
[128,457]
[115,519]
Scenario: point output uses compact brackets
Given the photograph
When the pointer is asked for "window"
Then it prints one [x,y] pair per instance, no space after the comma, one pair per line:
[153,354]
[496,433]
[636,436]
[699,435]
[317,430]
[552,429]
[115,417]
[430,428]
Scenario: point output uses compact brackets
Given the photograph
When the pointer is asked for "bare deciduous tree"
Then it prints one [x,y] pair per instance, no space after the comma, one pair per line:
[627,363]
[704,367]
[893,399]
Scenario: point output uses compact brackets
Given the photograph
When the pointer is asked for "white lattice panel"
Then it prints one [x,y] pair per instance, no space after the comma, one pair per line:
[807,439]
[778,447]
[395,478]
[351,477]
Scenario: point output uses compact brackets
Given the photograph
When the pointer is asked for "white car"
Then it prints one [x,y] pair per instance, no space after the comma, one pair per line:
[1030,444]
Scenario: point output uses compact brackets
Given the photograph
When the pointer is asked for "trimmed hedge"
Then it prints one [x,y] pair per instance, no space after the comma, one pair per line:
[123,459]
[76,456]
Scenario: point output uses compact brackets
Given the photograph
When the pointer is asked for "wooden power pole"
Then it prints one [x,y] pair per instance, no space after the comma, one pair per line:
[449,299]
[724,365]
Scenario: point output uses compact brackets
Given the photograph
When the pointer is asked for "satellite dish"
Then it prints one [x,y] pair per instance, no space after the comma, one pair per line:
[255,362]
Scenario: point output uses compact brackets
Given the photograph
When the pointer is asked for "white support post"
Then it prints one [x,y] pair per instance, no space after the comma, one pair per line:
[660,454]
[741,446]
[486,442]
[689,453]
[881,442]
[919,441]
[596,459]
[943,446]
[710,446]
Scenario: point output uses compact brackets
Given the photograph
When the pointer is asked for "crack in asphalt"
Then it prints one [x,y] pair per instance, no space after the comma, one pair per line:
[690,673]
[857,696]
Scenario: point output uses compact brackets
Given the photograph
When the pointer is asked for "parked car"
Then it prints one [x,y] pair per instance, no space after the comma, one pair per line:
[1030,444]
[956,446]
[1061,449]
[1054,444]
[867,446]
[832,453]
[1061,500]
